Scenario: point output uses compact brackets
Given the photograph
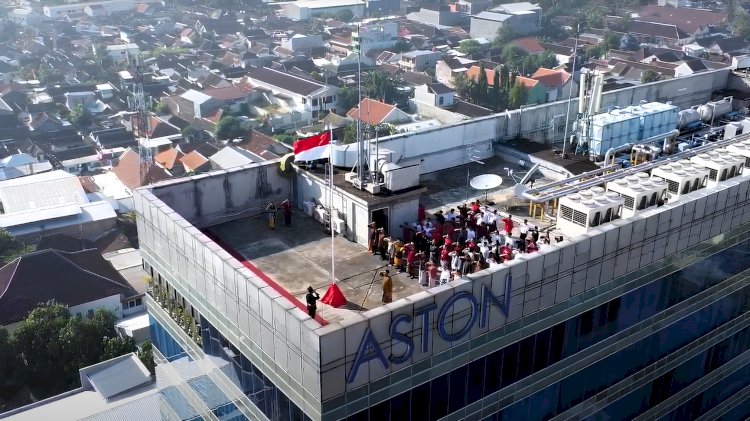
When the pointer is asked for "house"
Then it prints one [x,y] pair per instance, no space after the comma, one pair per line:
[373,112]
[306,98]
[558,84]
[306,9]
[449,67]
[202,105]
[87,99]
[265,146]
[170,159]
[123,53]
[233,156]
[82,280]
[521,18]
[563,53]
[535,91]
[435,94]
[474,72]
[689,67]
[56,11]
[472,7]
[195,162]
[128,170]
[300,42]
[117,137]
[438,16]
[374,36]
[233,98]
[530,45]
[51,202]
[21,165]
[418,60]
[694,23]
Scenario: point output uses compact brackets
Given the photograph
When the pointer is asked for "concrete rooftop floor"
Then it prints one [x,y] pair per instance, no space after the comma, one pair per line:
[301,255]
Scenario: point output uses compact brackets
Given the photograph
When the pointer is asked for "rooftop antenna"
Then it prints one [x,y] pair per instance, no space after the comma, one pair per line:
[360,141]
[570,91]
[140,126]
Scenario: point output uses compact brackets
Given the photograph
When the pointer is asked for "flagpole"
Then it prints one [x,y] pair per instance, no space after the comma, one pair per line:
[330,205]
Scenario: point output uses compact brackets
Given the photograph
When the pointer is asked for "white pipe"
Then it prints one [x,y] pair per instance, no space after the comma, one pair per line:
[582,93]
[627,146]
[595,177]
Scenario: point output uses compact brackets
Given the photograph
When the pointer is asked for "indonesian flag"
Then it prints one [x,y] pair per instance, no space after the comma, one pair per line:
[313,147]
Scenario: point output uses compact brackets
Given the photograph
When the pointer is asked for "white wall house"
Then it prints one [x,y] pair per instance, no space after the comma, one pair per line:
[123,53]
[62,10]
[374,36]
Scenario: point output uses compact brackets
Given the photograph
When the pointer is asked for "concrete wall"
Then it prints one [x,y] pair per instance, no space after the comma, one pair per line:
[111,303]
[538,282]
[442,115]
[220,196]
[438,148]
[484,28]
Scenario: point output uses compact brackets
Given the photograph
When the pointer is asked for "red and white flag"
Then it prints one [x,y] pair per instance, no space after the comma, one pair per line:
[313,147]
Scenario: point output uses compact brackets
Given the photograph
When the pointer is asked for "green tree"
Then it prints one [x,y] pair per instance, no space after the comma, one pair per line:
[189,133]
[146,355]
[482,84]
[80,116]
[350,134]
[10,247]
[649,76]
[505,34]
[54,345]
[12,368]
[741,24]
[379,85]
[517,96]
[162,108]
[344,15]
[513,55]
[463,86]
[470,46]
[228,127]
[348,97]
[401,46]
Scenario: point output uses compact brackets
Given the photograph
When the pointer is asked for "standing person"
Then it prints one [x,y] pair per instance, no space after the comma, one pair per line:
[524,232]
[312,298]
[433,275]
[508,225]
[271,215]
[373,245]
[387,287]
[287,209]
[382,244]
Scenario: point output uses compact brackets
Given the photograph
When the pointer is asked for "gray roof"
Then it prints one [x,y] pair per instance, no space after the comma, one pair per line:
[120,377]
[493,16]
[285,81]
[232,156]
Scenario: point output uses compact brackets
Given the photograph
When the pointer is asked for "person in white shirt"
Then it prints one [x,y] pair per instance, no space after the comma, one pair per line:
[484,249]
[524,230]
[451,215]
[471,235]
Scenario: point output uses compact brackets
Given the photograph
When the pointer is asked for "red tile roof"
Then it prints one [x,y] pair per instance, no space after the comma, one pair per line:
[473,74]
[193,161]
[168,158]
[257,142]
[526,82]
[373,112]
[128,170]
[529,44]
[551,78]
[229,93]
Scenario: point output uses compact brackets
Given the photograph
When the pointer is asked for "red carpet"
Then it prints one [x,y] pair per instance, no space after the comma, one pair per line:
[334,297]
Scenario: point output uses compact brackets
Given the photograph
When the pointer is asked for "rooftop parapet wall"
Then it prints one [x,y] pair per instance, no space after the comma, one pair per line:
[224,195]
[480,311]
[445,146]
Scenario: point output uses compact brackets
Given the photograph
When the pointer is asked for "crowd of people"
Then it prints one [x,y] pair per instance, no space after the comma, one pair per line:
[451,244]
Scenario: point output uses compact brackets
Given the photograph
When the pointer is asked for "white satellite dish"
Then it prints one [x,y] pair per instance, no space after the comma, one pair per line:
[486,182]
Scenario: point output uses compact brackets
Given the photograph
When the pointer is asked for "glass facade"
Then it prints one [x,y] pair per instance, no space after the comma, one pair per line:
[254,384]
[164,342]
[470,383]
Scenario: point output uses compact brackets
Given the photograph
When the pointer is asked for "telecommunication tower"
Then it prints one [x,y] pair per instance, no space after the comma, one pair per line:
[140,120]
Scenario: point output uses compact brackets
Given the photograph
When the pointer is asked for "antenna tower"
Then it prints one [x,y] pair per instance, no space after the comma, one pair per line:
[141,120]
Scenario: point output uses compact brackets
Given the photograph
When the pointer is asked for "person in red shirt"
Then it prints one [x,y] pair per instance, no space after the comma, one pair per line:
[530,246]
[508,224]
[505,253]
[410,260]
[447,242]
[475,207]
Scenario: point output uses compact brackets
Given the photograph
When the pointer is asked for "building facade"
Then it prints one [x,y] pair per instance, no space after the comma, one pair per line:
[646,316]
[374,36]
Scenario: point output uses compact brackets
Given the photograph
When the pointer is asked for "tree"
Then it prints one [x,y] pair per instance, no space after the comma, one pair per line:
[649,76]
[513,55]
[629,42]
[379,85]
[741,24]
[55,345]
[401,46]
[10,247]
[463,86]
[228,127]
[189,133]
[482,84]
[12,373]
[162,108]
[146,355]
[470,46]
[517,96]
[505,34]
[348,97]
[80,116]
[344,15]
[611,42]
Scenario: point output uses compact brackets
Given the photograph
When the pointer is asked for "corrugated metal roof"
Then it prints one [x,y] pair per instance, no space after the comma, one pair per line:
[121,377]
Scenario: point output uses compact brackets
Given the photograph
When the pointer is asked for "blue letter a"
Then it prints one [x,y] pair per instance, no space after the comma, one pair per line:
[369,349]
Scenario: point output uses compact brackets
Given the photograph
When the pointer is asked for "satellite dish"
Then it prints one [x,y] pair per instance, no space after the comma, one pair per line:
[486,182]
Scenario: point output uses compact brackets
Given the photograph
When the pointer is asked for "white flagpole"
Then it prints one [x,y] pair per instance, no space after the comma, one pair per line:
[330,204]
